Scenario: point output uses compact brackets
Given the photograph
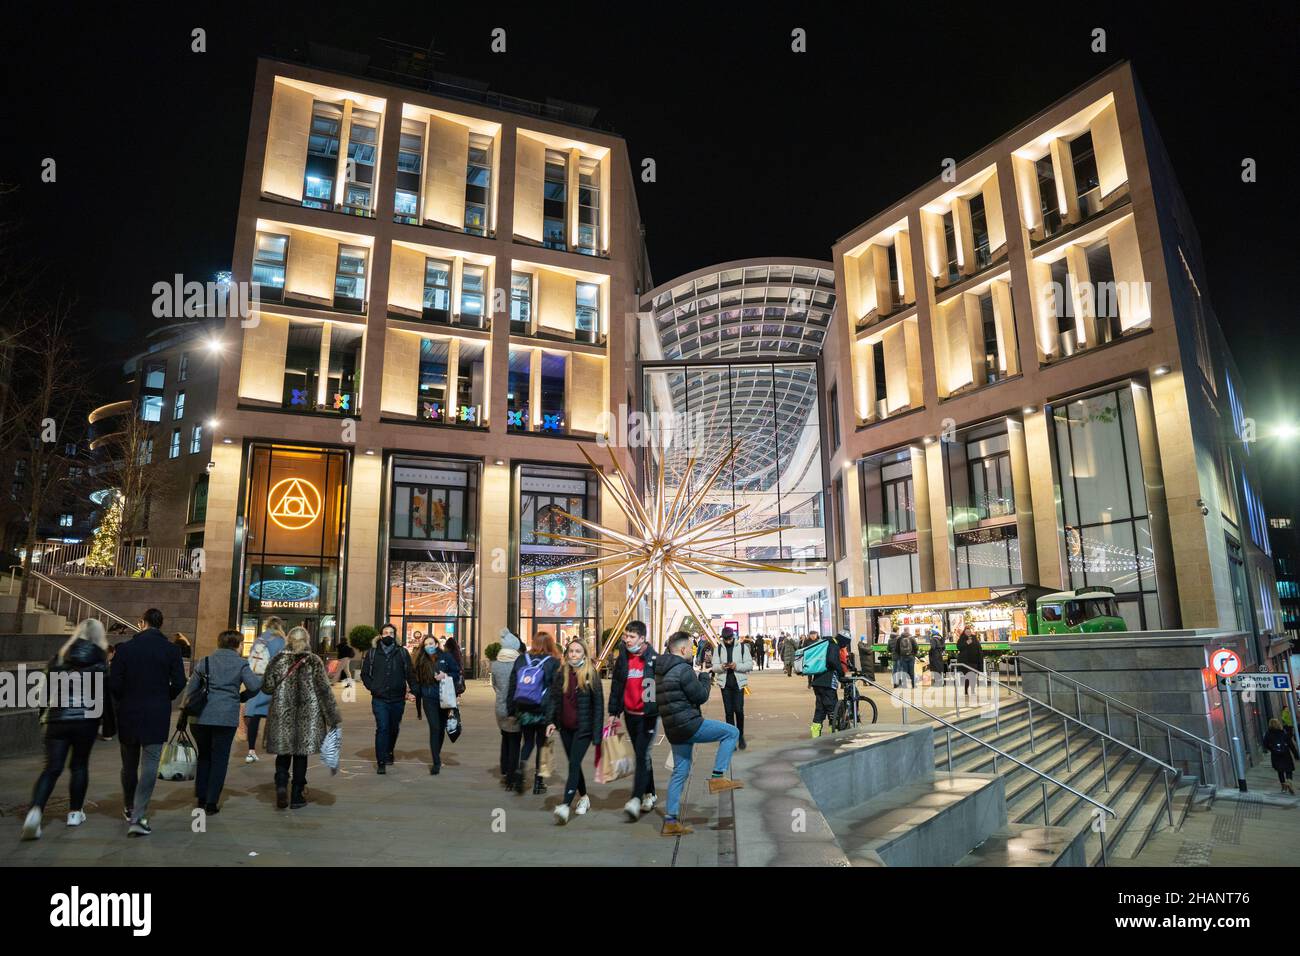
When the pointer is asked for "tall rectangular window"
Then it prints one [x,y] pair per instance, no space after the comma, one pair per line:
[437,290]
[589,207]
[151,407]
[183,372]
[587,312]
[553,369]
[432,395]
[837,515]
[302,366]
[833,413]
[322,156]
[555,193]
[979,231]
[1101,282]
[174,449]
[363,148]
[478,184]
[1085,164]
[269,259]
[950,246]
[989,326]
[878,366]
[1064,303]
[1048,202]
[178,407]
[471,382]
[155,375]
[899,503]
[410,161]
[518,386]
[473,290]
[196,439]
[350,279]
[344,362]
[521,303]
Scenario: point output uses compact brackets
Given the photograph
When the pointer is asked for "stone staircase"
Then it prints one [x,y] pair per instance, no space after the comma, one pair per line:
[875,798]
[37,618]
[1132,786]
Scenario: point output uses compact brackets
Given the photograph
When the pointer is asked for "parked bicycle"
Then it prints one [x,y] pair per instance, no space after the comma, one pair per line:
[854,705]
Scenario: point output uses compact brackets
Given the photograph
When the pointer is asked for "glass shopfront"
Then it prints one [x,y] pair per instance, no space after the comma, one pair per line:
[432,545]
[563,603]
[1104,513]
[294,518]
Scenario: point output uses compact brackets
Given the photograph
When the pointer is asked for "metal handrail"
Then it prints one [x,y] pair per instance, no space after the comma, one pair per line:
[1141,713]
[1166,768]
[1045,777]
[74,599]
[1082,723]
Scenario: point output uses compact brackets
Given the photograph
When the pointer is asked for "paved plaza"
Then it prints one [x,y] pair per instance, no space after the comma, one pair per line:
[406,817]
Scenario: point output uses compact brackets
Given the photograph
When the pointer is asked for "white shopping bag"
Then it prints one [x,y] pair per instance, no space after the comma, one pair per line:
[331,748]
[446,692]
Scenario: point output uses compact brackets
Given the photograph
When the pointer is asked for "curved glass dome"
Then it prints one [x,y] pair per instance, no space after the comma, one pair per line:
[750,309]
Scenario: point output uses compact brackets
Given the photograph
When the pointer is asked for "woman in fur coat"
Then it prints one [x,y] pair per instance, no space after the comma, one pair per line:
[302,712]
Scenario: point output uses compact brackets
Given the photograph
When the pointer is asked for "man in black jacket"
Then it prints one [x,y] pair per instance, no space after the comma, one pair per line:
[147,674]
[680,693]
[386,672]
[632,697]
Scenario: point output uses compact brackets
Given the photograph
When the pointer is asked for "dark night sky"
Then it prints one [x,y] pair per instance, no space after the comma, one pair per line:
[149,137]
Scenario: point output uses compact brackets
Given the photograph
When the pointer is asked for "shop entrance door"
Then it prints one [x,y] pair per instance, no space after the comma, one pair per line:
[417,629]
[561,629]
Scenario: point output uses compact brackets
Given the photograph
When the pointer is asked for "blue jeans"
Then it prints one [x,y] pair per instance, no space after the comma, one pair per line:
[388,721]
[711,730]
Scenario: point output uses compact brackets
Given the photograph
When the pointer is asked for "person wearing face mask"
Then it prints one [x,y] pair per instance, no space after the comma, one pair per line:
[386,673]
[511,735]
[576,705]
[632,696]
[428,669]
[732,662]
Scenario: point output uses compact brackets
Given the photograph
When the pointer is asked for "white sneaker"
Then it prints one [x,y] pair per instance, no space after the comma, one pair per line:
[252,757]
[562,814]
[584,804]
[633,809]
[648,802]
[32,825]
[76,818]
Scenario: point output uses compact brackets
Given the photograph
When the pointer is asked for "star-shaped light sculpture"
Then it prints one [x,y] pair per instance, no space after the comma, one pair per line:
[661,544]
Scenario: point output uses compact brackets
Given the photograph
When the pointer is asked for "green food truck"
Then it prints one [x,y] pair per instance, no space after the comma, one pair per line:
[1088,610]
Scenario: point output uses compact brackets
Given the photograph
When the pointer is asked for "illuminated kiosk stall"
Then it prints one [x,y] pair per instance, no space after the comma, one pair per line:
[999,617]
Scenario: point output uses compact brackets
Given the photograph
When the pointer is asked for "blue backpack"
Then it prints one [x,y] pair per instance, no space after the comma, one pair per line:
[530,685]
[812,659]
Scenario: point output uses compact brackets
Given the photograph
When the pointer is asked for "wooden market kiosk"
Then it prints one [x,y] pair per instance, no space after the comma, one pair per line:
[1000,616]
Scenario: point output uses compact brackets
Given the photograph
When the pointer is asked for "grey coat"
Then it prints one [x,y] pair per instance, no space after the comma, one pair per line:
[226,670]
[502,667]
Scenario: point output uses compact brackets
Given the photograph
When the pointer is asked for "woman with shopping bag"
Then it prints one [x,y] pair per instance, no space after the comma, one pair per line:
[576,706]
[229,681]
[301,714]
[434,674]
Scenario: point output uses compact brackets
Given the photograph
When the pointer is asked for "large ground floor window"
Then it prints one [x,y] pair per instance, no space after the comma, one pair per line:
[894,568]
[560,602]
[293,527]
[988,557]
[432,592]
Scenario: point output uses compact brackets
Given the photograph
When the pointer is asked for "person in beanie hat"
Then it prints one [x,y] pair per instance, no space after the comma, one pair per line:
[502,667]
[732,662]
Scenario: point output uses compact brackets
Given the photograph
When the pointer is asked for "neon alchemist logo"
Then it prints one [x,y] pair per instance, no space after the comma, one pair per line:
[293,504]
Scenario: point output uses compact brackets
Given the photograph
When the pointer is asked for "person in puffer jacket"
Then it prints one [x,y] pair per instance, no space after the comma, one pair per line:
[680,693]
[502,668]
[76,692]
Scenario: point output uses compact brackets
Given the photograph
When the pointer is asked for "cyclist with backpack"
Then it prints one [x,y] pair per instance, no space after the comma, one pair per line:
[269,643]
[530,682]
[820,662]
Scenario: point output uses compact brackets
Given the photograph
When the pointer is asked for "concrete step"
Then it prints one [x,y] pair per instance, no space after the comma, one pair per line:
[1019,844]
[924,823]
[1151,815]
